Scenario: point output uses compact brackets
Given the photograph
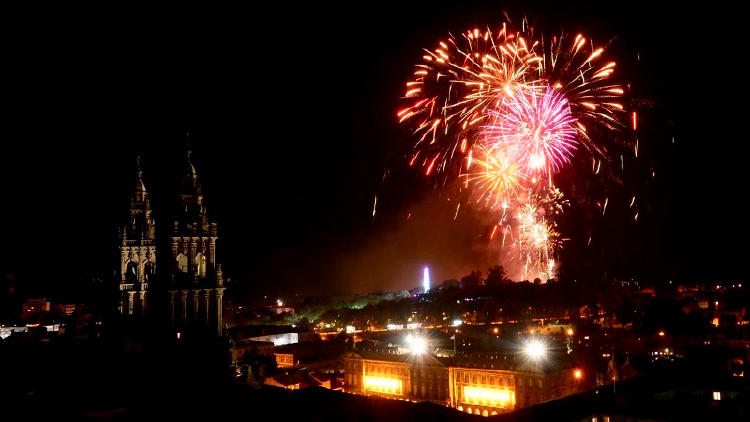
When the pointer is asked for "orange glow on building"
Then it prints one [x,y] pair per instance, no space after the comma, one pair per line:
[455,383]
[494,397]
[383,385]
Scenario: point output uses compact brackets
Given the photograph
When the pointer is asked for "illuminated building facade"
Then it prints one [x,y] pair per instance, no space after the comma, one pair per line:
[468,385]
[397,376]
[284,360]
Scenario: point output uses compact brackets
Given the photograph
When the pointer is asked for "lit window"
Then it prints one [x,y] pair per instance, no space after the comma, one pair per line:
[383,385]
[717,395]
[488,396]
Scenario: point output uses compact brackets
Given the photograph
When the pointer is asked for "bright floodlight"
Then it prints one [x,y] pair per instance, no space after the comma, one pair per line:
[426,279]
[535,350]
[418,346]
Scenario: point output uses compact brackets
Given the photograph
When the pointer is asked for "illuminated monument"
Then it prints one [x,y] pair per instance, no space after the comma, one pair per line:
[426,279]
[194,281]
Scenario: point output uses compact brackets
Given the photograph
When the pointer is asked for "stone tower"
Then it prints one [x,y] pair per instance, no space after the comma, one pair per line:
[197,283]
[137,251]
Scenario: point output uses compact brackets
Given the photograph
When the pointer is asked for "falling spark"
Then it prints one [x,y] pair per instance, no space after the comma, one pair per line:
[494,228]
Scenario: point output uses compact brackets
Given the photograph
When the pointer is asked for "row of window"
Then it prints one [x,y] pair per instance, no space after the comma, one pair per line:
[484,379]
[199,262]
[386,369]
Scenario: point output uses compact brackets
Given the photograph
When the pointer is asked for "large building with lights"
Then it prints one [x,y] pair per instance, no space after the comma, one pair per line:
[487,385]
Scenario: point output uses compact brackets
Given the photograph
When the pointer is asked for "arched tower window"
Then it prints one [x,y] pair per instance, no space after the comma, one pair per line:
[148,270]
[200,264]
[131,272]
[182,263]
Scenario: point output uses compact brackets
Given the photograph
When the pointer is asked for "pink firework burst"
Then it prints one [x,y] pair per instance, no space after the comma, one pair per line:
[535,127]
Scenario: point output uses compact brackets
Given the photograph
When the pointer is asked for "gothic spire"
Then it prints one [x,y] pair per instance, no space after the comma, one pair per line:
[140,195]
[141,225]
[192,216]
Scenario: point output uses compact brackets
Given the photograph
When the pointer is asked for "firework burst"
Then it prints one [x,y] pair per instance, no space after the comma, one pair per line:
[572,66]
[455,85]
[535,243]
[495,178]
[500,108]
[535,129]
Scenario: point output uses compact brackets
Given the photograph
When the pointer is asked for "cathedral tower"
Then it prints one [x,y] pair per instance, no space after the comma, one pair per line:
[197,283]
[137,251]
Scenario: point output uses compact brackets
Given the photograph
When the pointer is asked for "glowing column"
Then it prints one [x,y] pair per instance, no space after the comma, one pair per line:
[426,279]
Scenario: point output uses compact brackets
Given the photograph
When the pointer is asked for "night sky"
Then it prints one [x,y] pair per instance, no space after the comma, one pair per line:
[291,112]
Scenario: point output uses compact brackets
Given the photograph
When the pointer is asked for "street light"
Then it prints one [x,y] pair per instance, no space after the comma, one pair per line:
[418,346]
[535,349]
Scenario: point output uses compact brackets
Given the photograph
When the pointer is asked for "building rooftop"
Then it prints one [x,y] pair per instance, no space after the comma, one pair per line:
[495,361]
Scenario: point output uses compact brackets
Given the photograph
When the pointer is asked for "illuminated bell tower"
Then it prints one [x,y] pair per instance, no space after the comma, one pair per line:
[197,282]
[137,251]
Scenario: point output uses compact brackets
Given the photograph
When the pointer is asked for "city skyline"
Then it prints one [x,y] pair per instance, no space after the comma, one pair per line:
[391,210]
